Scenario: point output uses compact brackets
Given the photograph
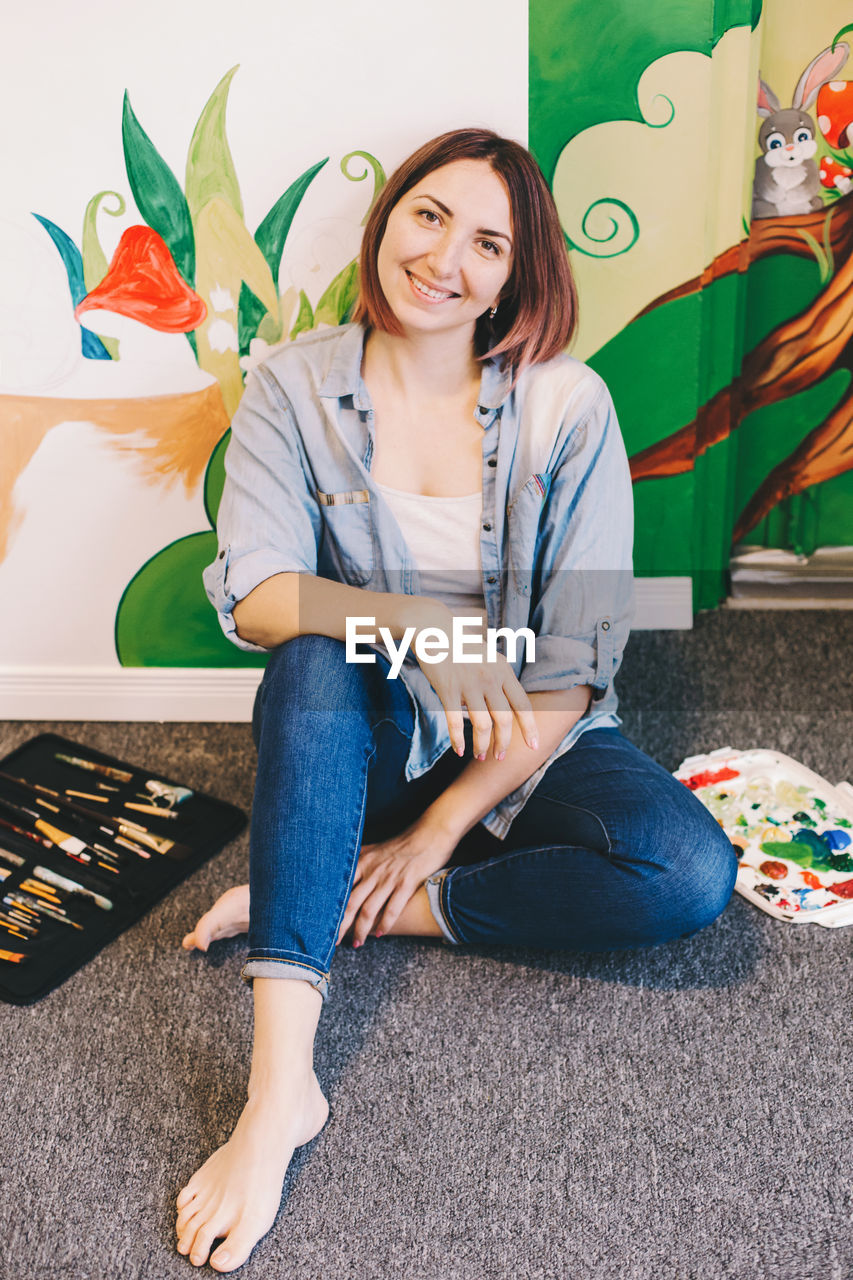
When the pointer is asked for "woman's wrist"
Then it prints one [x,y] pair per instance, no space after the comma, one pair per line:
[402,611]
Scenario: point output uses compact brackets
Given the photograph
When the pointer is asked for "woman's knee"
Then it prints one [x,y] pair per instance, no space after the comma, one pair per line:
[703,878]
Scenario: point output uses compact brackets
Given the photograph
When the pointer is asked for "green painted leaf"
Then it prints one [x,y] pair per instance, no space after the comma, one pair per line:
[95,263]
[170,586]
[157,193]
[250,313]
[304,317]
[214,479]
[339,299]
[272,233]
[210,168]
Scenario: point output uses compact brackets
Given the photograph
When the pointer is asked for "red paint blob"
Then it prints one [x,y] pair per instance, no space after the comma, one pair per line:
[144,283]
[708,777]
[774,870]
[844,890]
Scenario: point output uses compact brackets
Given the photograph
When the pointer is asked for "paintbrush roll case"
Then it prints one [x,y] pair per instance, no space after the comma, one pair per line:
[88,844]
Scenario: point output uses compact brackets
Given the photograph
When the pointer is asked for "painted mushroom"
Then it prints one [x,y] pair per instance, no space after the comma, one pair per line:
[143,283]
[834,175]
[835,112]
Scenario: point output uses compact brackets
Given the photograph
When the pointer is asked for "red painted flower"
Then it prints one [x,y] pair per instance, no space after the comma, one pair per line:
[144,284]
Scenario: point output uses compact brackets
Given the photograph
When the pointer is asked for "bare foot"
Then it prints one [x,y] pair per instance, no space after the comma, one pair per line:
[237,1192]
[228,916]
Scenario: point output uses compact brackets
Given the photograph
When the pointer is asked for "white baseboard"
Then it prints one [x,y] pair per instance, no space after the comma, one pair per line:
[223,694]
[128,693]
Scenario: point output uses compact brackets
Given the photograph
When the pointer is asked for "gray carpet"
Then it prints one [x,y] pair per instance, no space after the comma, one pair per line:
[677,1113]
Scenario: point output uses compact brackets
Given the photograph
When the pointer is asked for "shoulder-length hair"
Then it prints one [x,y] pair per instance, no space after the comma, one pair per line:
[537,314]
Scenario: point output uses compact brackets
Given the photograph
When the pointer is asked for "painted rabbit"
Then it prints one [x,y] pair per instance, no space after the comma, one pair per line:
[786,174]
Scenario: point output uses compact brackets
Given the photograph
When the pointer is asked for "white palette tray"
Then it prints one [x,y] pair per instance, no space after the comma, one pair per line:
[765,801]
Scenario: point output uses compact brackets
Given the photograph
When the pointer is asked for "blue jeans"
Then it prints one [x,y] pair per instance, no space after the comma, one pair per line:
[609,852]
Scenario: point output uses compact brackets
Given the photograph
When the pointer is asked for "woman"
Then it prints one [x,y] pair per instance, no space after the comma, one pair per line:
[440,457]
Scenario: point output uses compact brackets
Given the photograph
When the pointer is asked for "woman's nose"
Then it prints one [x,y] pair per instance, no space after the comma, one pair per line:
[444,256]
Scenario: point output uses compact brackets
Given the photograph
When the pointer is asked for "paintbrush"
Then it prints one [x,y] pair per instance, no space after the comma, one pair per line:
[28,835]
[119,825]
[37,904]
[94,766]
[72,845]
[12,859]
[72,886]
[14,957]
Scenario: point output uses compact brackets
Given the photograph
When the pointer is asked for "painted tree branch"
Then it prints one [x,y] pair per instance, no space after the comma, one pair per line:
[795,356]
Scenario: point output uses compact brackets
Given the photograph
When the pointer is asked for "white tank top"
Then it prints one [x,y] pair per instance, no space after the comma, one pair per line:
[443,535]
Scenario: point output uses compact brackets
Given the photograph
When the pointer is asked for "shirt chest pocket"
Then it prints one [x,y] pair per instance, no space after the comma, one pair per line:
[348,533]
[523,516]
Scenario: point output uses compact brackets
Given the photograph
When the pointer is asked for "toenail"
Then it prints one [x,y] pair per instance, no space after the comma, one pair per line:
[223,1258]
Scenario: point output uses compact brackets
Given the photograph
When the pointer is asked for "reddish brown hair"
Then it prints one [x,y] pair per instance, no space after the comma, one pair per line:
[537,316]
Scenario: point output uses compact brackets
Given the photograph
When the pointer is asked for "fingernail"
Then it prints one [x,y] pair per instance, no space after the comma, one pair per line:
[482,757]
[534,744]
[460,751]
[379,933]
[501,756]
[356,944]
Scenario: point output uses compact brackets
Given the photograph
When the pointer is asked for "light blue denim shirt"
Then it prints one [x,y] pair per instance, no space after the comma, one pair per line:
[556,529]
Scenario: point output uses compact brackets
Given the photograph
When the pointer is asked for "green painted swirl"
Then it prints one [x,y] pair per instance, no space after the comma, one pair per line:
[618,230]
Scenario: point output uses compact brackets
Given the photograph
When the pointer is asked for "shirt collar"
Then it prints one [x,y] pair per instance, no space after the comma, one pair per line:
[343,377]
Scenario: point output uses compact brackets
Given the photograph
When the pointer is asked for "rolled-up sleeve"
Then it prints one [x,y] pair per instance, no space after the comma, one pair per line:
[583,581]
[268,520]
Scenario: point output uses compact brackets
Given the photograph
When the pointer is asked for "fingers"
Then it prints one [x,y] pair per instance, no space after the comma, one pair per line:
[456,729]
[523,712]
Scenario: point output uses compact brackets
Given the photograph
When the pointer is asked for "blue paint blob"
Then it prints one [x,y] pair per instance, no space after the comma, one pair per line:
[836,839]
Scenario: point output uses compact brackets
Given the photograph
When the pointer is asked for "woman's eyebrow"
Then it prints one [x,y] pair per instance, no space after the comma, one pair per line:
[483,231]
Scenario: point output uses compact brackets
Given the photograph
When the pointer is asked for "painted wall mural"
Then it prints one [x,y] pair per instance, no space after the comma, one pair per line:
[711,229]
[164,224]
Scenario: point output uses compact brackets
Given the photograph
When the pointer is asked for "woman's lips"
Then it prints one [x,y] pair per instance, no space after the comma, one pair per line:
[427,292]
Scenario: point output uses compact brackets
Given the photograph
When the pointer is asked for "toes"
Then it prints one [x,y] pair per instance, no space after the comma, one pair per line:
[189,1193]
[185,1216]
[207,1232]
[233,1251]
[188,1229]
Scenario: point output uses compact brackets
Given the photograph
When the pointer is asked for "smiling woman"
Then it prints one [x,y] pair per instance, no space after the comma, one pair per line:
[440,466]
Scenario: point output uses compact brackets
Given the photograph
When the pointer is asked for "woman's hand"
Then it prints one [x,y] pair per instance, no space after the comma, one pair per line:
[387,876]
[491,692]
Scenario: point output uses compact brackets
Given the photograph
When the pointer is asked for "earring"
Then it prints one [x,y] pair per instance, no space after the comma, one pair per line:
[494,311]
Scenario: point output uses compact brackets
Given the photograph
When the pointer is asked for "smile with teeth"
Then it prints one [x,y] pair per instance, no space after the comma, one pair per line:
[438,295]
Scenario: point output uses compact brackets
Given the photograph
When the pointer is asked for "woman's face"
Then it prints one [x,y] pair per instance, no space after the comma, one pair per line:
[447,248]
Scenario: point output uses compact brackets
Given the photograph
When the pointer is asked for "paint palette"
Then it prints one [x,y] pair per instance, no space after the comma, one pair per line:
[792,830]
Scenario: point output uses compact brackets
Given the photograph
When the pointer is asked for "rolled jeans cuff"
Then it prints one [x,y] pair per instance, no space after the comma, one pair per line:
[270,968]
[434,888]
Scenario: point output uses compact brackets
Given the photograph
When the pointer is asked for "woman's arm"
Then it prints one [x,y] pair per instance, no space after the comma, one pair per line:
[487,781]
[295,604]
[389,873]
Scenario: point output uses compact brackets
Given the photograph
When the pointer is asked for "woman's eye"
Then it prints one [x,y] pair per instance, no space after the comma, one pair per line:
[429,214]
[490,246]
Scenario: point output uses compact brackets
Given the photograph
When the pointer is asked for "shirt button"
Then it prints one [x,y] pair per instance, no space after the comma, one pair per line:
[488,528]
[491,580]
[493,462]
[481,408]
[605,626]
[222,555]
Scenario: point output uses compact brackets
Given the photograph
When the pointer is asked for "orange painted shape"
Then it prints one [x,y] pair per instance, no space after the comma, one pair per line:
[143,283]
